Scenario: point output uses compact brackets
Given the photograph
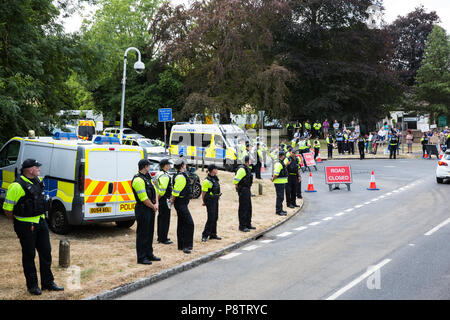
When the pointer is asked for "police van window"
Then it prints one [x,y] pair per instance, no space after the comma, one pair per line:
[218,142]
[180,138]
[134,143]
[206,142]
[9,154]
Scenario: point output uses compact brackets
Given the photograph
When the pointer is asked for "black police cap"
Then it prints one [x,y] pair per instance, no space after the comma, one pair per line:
[28,163]
[143,163]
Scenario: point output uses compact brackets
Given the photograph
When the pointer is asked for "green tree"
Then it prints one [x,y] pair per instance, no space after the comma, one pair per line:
[36,60]
[433,77]
[116,26]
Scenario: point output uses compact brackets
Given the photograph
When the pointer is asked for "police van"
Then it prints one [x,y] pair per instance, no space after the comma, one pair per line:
[207,143]
[88,181]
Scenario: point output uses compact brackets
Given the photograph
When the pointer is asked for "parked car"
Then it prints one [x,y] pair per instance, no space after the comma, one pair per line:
[148,144]
[443,168]
[194,178]
[127,132]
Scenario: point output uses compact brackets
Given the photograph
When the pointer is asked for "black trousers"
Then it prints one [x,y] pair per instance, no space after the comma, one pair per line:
[393,151]
[212,208]
[340,145]
[291,190]
[245,208]
[257,168]
[316,153]
[145,218]
[185,225]
[351,147]
[163,219]
[361,151]
[279,189]
[330,151]
[32,240]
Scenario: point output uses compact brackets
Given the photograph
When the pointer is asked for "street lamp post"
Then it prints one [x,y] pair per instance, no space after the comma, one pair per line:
[139,67]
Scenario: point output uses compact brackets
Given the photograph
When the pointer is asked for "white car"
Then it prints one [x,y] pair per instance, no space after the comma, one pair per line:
[127,132]
[145,143]
[443,168]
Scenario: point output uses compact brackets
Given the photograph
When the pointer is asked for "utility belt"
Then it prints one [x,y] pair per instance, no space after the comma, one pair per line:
[293,174]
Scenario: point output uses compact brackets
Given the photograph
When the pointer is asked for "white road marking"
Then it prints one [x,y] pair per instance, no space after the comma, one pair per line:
[437,227]
[389,193]
[411,244]
[266,241]
[300,228]
[369,272]
[395,191]
[358,206]
[250,248]
[284,234]
[368,202]
[376,199]
[327,218]
[231,255]
[314,223]
[349,210]
[339,214]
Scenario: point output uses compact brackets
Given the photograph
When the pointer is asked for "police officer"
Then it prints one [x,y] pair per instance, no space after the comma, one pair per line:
[351,143]
[280,179]
[294,178]
[317,126]
[243,181]
[146,206]
[210,195]
[330,141]
[316,148]
[393,143]
[340,142]
[424,142]
[361,146]
[259,161]
[181,194]
[25,205]
[164,189]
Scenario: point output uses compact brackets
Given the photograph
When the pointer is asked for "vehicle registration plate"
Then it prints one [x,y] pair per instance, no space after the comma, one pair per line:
[100,210]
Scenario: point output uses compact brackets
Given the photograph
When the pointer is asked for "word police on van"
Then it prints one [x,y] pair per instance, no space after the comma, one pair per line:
[88,182]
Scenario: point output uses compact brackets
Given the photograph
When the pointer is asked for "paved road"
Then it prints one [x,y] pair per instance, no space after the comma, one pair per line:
[325,252]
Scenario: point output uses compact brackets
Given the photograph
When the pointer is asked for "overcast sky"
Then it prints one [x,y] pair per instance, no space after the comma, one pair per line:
[393,8]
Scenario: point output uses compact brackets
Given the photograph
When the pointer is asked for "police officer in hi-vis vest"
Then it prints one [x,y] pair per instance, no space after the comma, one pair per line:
[164,189]
[280,179]
[25,205]
[293,167]
[181,194]
[210,196]
[243,181]
[146,206]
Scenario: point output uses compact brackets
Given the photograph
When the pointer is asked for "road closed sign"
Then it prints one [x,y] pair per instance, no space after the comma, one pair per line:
[338,174]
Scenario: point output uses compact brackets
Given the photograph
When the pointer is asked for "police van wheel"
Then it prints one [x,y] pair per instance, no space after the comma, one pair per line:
[58,222]
[196,190]
[439,180]
[125,224]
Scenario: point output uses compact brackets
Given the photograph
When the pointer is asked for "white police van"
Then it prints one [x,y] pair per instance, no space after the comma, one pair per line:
[207,143]
[88,181]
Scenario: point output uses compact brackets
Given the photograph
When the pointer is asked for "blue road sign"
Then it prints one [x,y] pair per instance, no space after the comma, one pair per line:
[165,114]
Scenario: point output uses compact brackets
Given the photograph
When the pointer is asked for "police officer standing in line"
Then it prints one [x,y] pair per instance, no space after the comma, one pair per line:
[280,179]
[146,206]
[393,143]
[164,189]
[294,178]
[243,181]
[259,161]
[361,146]
[330,141]
[210,196]
[340,141]
[25,205]
[181,194]
[316,148]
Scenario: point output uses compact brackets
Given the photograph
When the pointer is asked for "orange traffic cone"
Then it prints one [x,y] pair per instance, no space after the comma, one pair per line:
[263,169]
[426,155]
[318,159]
[310,184]
[373,185]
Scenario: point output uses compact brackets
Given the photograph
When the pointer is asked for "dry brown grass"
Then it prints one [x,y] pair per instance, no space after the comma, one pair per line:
[106,254]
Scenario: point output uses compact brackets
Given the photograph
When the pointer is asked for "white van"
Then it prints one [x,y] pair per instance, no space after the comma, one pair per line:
[89,182]
[208,143]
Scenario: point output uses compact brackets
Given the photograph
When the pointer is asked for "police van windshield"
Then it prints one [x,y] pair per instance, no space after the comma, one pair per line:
[234,139]
[86,131]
